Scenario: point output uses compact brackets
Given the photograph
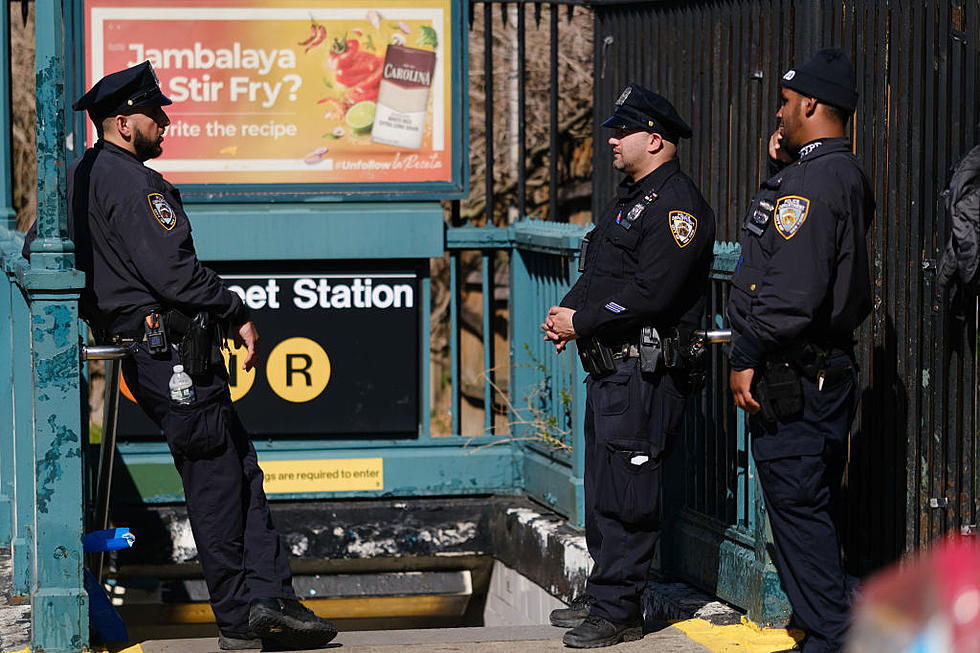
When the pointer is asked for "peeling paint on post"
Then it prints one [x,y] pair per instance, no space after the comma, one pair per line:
[58,600]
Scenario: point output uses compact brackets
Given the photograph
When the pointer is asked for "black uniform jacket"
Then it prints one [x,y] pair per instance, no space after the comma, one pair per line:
[652,265]
[133,241]
[803,274]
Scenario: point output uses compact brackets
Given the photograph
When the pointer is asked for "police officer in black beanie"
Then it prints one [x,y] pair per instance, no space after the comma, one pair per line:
[799,290]
[643,284]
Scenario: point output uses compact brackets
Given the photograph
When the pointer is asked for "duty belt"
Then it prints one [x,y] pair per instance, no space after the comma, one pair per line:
[812,359]
[175,321]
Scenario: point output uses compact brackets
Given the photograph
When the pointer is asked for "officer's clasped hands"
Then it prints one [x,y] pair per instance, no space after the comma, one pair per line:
[558,327]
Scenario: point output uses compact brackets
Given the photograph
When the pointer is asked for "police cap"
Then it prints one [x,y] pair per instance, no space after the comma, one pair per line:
[640,108]
[122,91]
[827,76]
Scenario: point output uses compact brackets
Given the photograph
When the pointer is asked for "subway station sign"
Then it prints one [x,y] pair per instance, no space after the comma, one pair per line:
[339,357]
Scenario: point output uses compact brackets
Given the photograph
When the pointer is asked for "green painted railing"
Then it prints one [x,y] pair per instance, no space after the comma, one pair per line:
[545,399]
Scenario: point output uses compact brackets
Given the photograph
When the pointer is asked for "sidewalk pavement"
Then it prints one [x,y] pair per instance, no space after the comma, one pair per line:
[688,636]
[497,639]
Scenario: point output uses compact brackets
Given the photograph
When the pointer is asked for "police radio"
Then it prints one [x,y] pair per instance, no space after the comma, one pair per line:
[156,335]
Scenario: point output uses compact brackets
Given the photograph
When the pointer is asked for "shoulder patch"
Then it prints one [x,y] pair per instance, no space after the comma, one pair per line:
[790,214]
[162,211]
[683,226]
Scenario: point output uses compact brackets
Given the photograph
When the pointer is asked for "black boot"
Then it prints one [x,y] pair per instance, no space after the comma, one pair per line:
[574,614]
[288,624]
[596,631]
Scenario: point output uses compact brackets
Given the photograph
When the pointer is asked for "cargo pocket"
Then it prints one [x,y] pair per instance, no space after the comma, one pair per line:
[196,431]
[629,483]
[613,394]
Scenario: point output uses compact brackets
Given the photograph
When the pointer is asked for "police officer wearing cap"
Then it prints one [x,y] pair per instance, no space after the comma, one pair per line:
[644,277]
[801,287]
[146,288]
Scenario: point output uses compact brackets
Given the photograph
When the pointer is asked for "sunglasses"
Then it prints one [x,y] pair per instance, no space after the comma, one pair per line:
[622,132]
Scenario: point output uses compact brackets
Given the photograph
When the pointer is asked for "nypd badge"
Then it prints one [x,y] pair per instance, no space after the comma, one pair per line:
[635,212]
[162,211]
[683,226]
[790,214]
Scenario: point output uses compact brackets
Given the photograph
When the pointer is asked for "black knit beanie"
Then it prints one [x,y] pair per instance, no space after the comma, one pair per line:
[827,76]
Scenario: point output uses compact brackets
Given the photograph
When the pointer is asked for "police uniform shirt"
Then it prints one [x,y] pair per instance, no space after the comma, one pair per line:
[133,241]
[648,258]
[803,273]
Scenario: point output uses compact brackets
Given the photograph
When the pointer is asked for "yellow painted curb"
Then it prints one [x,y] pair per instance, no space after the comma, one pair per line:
[745,637]
[135,648]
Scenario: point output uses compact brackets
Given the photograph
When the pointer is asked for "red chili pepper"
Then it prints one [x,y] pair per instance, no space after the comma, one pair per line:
[320,35]
[312,34]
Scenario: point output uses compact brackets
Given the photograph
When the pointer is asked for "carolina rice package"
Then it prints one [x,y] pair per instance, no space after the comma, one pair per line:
[403,97]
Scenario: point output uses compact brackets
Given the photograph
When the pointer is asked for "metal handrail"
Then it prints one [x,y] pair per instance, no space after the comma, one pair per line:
[104,353]
[716,335]
[112,354]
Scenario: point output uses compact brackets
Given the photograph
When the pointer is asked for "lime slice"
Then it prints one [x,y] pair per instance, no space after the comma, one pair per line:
[360,117]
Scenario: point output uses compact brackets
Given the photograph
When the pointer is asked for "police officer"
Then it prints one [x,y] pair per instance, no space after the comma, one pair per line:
[645,275]
[146,288]
[800,288]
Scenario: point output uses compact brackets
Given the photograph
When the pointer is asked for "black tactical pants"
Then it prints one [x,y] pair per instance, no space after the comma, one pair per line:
[803,499]
[237,544]
[629,419]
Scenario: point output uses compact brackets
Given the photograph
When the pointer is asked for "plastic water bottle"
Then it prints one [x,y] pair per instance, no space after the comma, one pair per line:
[181,387]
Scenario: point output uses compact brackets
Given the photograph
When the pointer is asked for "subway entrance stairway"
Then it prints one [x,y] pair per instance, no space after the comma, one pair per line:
[474,574]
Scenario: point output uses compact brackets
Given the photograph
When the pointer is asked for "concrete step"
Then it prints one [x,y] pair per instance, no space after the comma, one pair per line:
[493,639]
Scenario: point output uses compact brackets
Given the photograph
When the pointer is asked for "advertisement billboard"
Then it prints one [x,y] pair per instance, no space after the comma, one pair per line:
[292,96]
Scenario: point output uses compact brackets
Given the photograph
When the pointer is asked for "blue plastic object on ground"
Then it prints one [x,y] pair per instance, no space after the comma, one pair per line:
[106,622]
